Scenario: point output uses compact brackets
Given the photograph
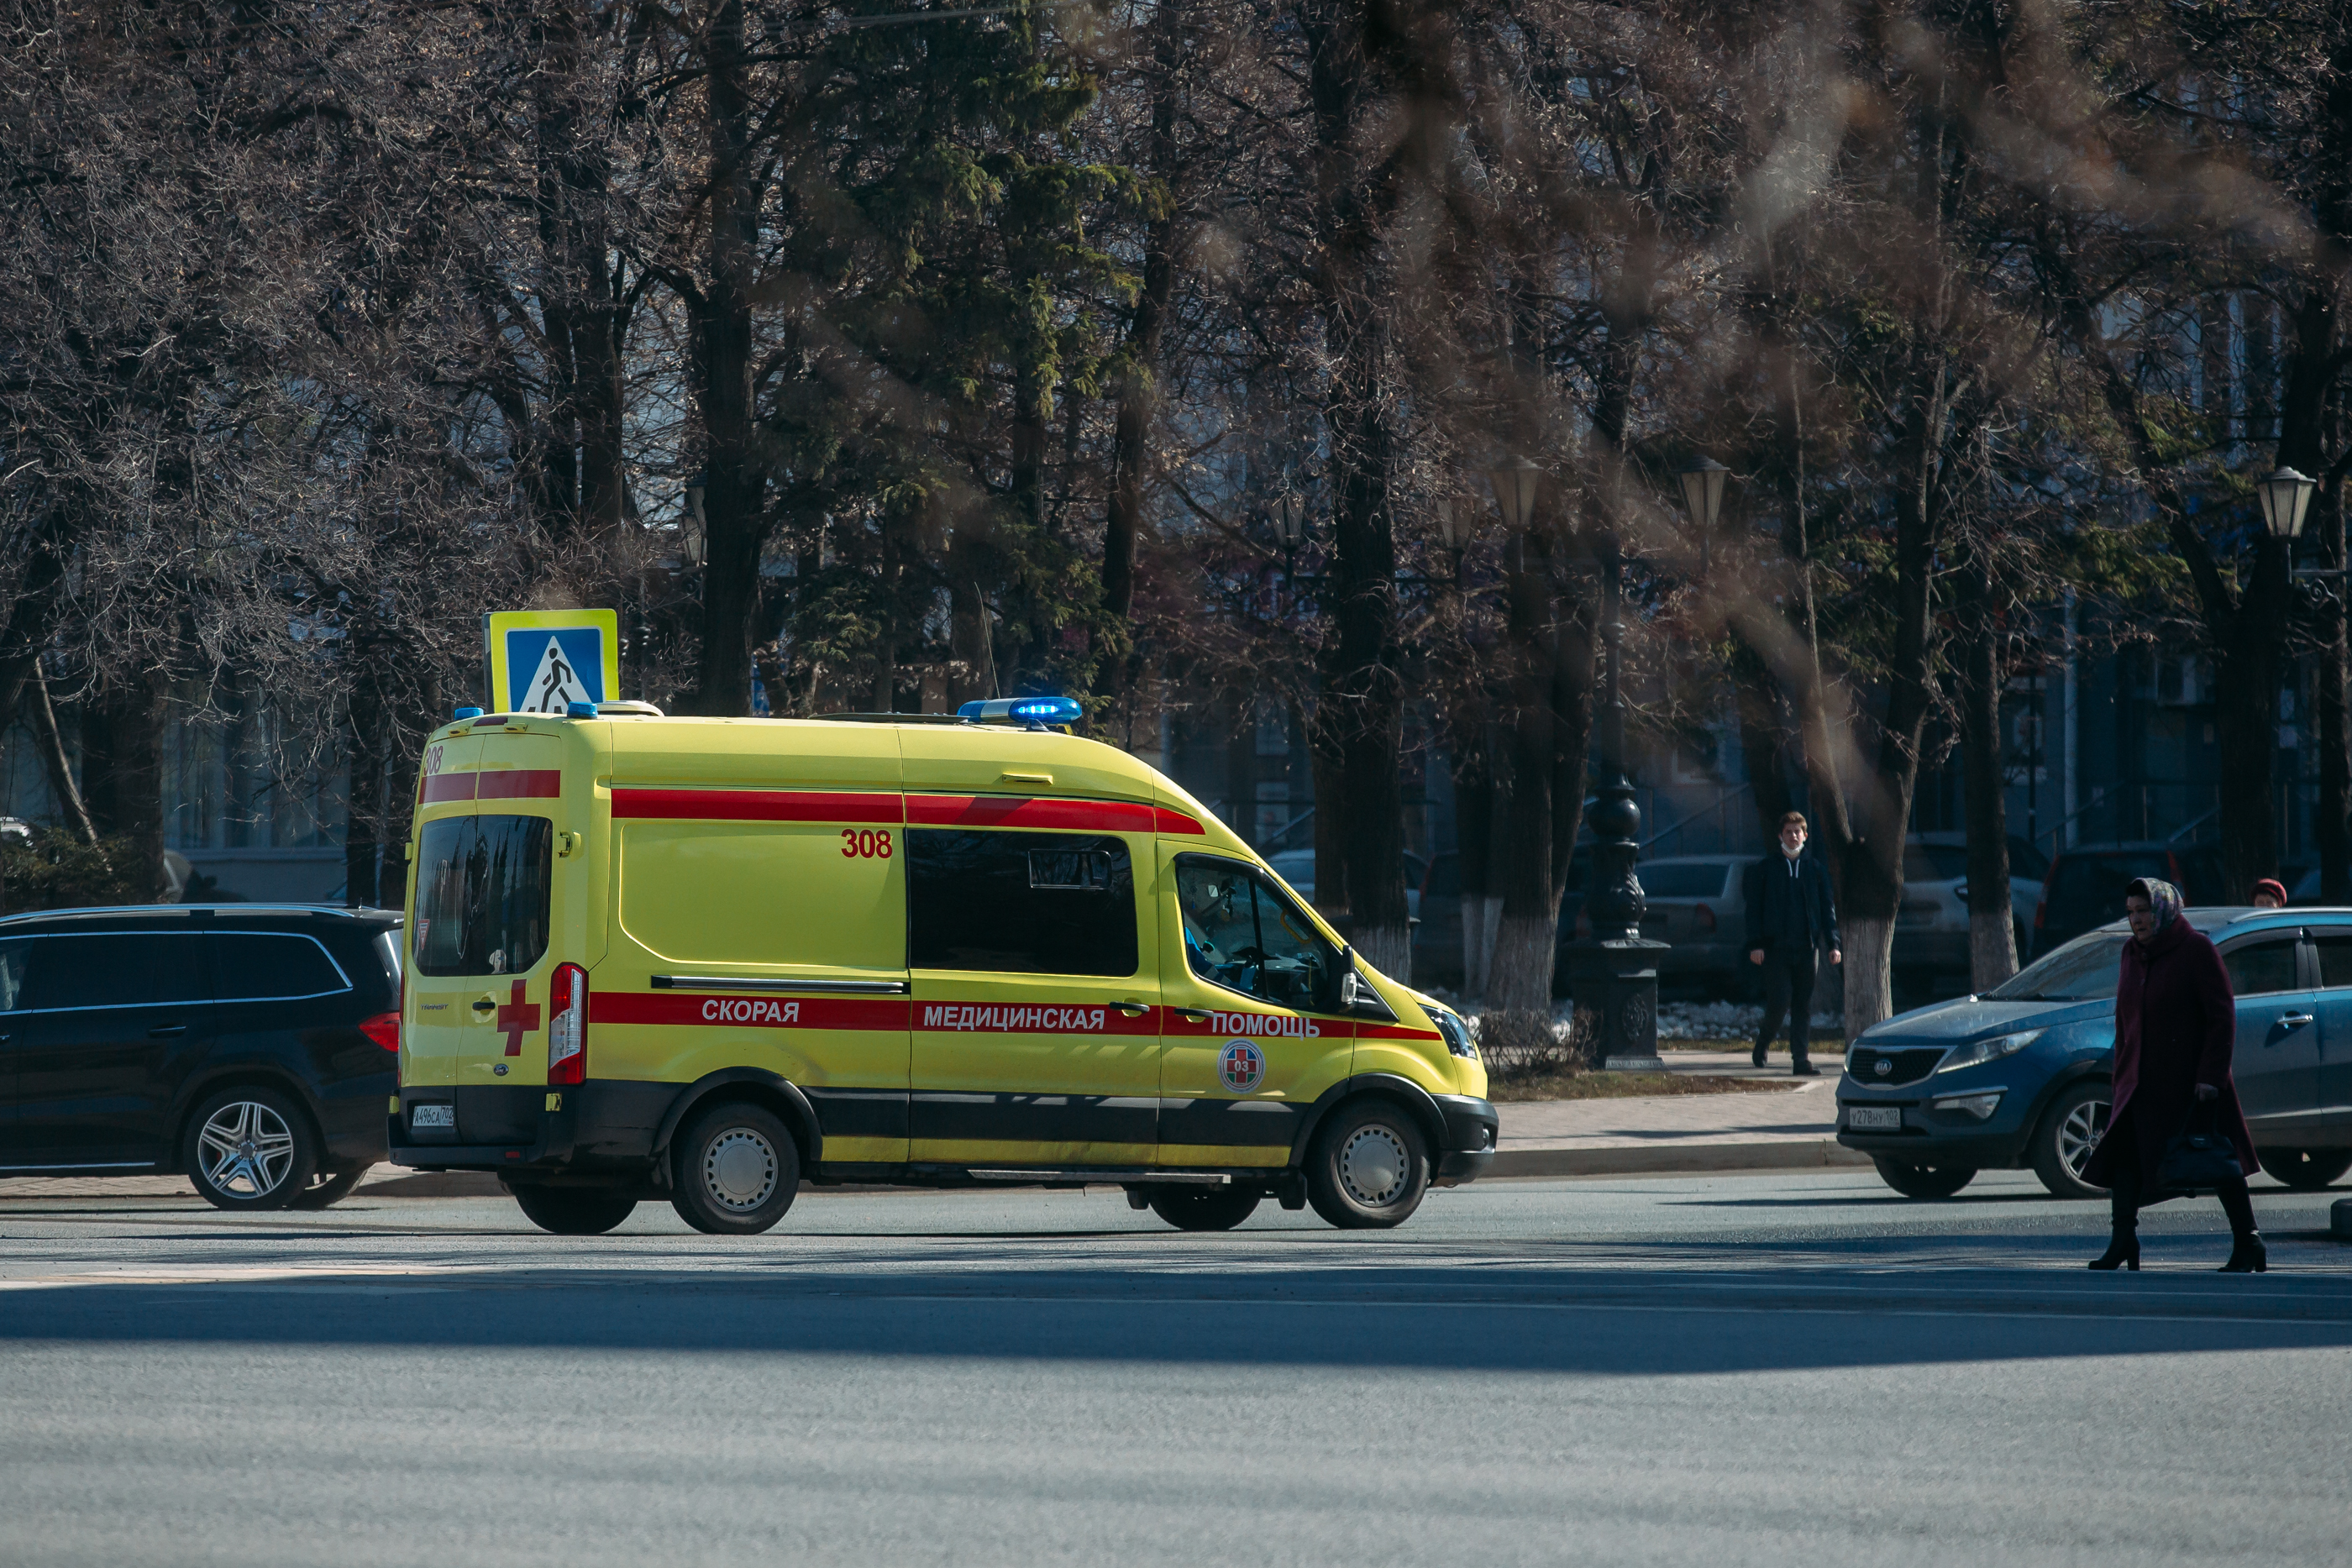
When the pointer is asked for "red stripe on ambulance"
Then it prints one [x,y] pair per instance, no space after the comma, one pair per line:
[758,806]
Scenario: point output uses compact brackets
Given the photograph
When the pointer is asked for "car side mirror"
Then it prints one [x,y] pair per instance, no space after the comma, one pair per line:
[1351,990]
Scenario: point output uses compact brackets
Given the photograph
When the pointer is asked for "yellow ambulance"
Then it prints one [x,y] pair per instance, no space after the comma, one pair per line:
[706,959]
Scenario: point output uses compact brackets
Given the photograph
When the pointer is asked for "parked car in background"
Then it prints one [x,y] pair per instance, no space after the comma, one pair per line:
[251,1047]
[2084,886]
[1931,929]
[2019,1076]
[1694,902]
[1297,867]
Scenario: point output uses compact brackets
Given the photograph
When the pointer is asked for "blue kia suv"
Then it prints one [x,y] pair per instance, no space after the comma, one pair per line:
[2018,1077]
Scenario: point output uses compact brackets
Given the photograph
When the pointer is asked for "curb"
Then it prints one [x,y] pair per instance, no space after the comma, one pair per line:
[1780,1154]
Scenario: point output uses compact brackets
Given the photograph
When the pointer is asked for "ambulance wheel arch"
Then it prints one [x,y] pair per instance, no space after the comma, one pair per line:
[755,1085]
[1402,1093]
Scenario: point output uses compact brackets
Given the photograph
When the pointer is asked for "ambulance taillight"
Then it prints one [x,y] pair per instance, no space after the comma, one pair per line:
[567,1031]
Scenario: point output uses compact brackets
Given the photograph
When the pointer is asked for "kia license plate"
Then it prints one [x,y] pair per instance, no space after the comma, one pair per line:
[433,1116]
[1858,1119]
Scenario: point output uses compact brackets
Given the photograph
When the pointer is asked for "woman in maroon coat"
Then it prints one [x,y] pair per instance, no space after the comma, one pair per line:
[2174,1022]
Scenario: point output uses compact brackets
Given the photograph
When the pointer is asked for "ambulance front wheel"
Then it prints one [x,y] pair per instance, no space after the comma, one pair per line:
[736,1170]
[1202,1208]
[1370,1166]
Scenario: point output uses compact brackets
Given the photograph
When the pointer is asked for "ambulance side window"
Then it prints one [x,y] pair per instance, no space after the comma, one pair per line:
[482,891]
[1241,934]
[1022,904]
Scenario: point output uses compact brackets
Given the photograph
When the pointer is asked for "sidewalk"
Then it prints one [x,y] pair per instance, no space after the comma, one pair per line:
[1792,1127]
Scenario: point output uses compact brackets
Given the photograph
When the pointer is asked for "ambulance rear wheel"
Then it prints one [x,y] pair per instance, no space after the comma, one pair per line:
[736,1170]
[1369,1168]
[572,1210]
[1204,1207]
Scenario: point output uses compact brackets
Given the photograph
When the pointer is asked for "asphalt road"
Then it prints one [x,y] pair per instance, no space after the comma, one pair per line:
[1794,1368]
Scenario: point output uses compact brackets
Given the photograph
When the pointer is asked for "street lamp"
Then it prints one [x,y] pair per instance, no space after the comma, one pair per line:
[1456,524]
[1515,481]
[1703,480]
[2285,496]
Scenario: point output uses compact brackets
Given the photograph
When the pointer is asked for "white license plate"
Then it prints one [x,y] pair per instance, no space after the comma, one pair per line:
[433,1116]
[1873,1118]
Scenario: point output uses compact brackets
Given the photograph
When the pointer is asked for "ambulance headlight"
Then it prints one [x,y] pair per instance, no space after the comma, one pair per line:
[1457,1034]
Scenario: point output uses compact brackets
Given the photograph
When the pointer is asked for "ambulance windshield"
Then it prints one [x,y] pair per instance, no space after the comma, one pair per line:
[1241,934]
[482,895]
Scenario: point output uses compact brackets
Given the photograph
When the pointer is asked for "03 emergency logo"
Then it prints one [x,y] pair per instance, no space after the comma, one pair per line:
[1241,1066]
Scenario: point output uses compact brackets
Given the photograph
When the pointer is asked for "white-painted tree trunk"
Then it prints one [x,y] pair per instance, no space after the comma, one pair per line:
[1869,952]
[1520,979]
[1992,948]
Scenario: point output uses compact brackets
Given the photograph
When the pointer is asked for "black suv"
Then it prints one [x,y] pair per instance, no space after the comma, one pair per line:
[252,1047]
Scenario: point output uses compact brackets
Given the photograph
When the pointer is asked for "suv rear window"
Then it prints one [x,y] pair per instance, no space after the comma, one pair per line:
[259,966]
[482,895]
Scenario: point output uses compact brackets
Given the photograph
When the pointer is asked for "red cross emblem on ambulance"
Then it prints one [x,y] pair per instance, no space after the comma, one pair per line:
[1241,1066]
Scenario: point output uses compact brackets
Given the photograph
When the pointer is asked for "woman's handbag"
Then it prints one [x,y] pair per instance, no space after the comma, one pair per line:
[2199,1155]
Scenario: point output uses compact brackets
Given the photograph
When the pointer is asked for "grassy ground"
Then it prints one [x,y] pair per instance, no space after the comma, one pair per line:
[1627,1085]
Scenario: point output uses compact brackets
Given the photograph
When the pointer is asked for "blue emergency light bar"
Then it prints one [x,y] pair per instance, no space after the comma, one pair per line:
[1024,710]
[464,714]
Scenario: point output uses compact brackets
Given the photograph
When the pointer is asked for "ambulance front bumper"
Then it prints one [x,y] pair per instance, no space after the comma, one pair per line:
[1472,1128]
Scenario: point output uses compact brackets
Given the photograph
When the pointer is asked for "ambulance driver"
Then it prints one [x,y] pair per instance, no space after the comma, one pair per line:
[1247,938]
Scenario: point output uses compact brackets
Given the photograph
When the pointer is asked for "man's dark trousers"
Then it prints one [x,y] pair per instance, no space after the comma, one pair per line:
[1789,988]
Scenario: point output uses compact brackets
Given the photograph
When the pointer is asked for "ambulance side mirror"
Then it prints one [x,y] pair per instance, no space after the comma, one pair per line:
[1351,990]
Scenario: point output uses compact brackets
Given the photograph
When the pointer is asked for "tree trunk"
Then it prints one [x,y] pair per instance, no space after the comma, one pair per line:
[365,831]
[1527,934]
[2245,719]
[2335,733]
[1327,763]
[1473,829]
[1138,392]
[1992,931]
[1874,870]
[54,760]
[124,782]
[734,486]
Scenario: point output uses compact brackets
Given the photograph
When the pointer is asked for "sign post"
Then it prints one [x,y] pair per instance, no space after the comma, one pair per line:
[538,661]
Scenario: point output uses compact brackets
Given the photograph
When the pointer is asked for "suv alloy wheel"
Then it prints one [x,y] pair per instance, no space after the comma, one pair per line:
[248,1148]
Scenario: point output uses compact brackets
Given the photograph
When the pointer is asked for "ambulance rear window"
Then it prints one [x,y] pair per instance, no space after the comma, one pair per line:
[482,895]
[1022,904]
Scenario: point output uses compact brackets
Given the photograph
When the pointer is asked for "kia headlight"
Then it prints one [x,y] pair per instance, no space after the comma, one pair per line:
[1456,1033]
[1993,1049]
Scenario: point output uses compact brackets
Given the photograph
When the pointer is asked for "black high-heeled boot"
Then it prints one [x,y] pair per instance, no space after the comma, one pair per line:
[2123,1252]
[2247,1255]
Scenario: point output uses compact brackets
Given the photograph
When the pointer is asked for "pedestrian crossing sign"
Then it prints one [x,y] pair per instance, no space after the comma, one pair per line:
[541,660]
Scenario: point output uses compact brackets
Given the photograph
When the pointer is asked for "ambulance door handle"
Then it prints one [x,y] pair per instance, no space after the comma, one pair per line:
[1131,1009]
[1195,1014]
[485,1005]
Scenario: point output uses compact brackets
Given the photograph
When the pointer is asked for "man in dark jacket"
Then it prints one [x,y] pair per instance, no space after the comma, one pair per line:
[1791,919]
